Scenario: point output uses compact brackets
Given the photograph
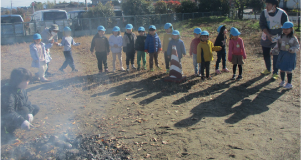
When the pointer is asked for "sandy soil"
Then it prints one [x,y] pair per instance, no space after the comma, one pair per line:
[213,119]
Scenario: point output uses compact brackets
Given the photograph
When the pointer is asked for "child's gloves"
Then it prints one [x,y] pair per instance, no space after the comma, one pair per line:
[30,117]
[26,125]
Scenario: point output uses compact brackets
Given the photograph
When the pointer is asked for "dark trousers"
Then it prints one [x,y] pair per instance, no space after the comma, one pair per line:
[167,60]
[267,60]
[153,56]
[205,65]
[101,59]
[68,60]
[130,56]
[239,67]
[221,55]
[10,127]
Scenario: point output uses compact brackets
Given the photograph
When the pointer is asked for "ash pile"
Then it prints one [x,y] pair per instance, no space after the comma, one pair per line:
[62,148]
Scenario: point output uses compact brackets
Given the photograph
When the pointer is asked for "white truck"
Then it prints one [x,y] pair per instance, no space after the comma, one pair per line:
[289,4]
[45,18]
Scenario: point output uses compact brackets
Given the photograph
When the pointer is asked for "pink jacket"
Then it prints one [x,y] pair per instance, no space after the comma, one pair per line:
[236,47]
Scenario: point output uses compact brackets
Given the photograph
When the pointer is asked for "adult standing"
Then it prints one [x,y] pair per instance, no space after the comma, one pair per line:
[48,35]
[271,21]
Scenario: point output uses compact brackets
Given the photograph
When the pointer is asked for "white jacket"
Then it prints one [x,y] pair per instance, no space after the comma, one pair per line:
[115,40]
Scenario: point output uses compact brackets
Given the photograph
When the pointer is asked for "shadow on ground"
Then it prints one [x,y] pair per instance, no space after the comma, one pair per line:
[223,104]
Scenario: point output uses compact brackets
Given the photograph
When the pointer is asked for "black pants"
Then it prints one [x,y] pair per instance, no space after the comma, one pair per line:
[267,60]
[102,59]
[221,55]
[239,67]
[205,65]
[130,56]
[12,126]
[167,60]
[68,60]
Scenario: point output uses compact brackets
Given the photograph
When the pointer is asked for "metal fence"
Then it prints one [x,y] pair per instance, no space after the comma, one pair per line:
[22,32]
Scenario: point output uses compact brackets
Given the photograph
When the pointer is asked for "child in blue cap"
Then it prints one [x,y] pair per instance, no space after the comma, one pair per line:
[115,42]
[139,47]
[204,53]
[101,46]
[176,41]
[153,46]
[67,41]
[128,43]
[236,52]
[166,38]
[193,51]
[221,40]
[39,56]
[287,47]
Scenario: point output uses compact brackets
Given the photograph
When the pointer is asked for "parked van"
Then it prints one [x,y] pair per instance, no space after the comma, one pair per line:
[12,25]
[45,18]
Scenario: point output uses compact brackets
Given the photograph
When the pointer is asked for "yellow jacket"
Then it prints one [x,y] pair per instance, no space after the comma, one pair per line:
[207,47]
[166,39]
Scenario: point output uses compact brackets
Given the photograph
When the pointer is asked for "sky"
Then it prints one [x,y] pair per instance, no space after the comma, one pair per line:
[26,3]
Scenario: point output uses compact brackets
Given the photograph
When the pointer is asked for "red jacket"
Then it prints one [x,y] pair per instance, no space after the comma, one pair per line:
[236,47]
[194,46]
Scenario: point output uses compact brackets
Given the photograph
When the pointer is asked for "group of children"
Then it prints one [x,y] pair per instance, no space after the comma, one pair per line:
[18,112]
[201,49]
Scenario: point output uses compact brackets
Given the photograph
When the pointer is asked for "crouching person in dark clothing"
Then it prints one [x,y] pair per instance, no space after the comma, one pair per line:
[16,109]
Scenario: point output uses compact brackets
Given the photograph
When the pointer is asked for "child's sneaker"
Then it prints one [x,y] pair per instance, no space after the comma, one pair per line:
[217,72]
[275,76]
[138,69]
[199,75]
[281,84]
[61,70]
[266,72]
[167,71]
[203,78]
[144,67]
[128,70]
[133,67]
[100,71]
[209,78]
[233,77]
[239,78]
[122,69]
[152,69]
[106,70]
[74,70]
[44,80]
[159,67]
[288,86]
[225,70]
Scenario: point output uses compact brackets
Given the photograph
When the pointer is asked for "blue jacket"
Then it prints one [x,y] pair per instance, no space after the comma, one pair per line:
[152,43]
[34,54]
[179,45]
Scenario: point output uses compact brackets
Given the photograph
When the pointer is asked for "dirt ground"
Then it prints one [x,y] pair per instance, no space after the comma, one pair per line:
[213,119]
